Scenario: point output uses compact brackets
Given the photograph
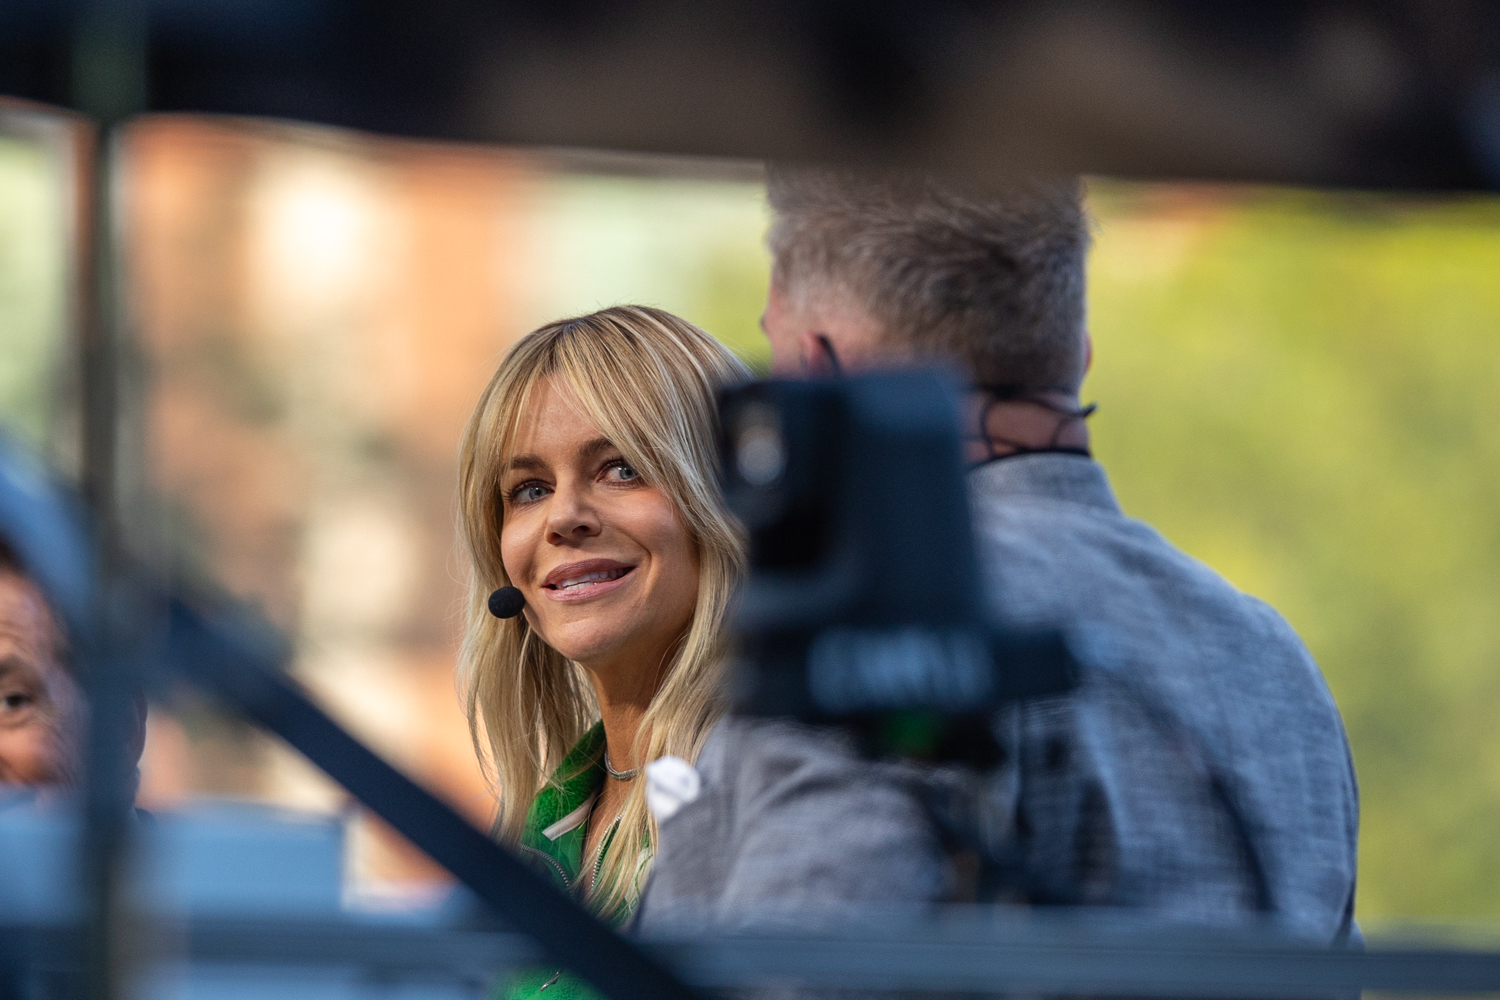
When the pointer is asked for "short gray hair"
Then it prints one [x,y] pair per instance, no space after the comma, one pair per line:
[993,279]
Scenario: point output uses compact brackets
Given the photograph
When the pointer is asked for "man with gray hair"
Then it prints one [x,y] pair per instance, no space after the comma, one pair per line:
[1201,770]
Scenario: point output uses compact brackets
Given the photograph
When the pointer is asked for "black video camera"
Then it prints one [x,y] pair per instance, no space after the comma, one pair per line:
[865,606]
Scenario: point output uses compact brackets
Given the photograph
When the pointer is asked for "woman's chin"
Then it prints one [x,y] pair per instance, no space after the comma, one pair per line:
[591,642]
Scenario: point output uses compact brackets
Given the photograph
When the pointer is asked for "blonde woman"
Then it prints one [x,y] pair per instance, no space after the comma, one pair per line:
[588,481]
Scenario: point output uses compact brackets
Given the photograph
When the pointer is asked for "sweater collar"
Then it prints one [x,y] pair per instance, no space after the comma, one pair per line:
[1052,475]
[562,807]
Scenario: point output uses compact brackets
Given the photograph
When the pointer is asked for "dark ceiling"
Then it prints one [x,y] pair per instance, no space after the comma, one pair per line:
[1382,95]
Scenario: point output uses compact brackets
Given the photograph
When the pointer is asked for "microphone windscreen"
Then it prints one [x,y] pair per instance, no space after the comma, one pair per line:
[507,602]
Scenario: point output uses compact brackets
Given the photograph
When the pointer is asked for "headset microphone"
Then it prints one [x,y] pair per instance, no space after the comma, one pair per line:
[507,602]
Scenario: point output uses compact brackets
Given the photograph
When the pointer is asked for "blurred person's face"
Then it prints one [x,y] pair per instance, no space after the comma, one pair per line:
[608,567]
[818,334]
[40,718]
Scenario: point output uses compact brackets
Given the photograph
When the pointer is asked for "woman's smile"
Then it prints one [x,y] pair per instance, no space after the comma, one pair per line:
[580,581]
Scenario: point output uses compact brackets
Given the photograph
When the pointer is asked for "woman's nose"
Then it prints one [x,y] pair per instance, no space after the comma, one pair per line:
[571,517]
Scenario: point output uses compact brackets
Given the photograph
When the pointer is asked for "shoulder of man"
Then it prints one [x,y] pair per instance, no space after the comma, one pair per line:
[1173,651]
[1079,563]
[790,819]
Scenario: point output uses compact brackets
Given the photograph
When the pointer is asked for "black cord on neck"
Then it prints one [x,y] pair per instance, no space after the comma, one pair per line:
[830,355]
[997,394]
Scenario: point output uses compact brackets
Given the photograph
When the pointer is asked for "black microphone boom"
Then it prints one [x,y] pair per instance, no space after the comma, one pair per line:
[507,602]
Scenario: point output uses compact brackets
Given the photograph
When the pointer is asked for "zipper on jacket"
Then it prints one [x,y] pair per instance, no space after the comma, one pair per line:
[598,858]
[599,855]
[567,882]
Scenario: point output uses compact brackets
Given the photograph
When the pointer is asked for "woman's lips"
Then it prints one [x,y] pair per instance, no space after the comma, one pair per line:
[581,581]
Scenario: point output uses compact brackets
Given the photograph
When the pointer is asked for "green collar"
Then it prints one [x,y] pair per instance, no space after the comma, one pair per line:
[562,810]
[558,819]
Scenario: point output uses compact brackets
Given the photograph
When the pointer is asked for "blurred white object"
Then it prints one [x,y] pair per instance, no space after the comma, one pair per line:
[213,859]
[671,783]
[239,862]
[243,859]
[39,842]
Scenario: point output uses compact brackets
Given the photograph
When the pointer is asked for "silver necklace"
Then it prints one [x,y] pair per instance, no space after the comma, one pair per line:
[618,775]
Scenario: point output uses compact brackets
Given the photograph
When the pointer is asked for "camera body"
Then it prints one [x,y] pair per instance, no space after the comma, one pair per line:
[864,604]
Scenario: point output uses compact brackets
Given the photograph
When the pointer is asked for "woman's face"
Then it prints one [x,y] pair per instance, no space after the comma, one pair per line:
[609,570]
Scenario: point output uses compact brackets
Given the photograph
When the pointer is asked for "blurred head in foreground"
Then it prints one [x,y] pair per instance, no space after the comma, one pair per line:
[895,269]
[41,707]
[587,480]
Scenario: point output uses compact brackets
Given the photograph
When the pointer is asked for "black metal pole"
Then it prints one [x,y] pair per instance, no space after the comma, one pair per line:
[109,58]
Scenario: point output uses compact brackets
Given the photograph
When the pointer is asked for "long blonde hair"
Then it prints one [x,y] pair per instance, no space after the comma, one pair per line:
[648,380]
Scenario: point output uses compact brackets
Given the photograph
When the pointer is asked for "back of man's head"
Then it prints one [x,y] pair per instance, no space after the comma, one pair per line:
[992,278]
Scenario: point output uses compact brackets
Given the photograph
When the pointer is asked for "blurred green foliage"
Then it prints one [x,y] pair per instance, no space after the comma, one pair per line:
[692,247]
[1298,389]
[32,291]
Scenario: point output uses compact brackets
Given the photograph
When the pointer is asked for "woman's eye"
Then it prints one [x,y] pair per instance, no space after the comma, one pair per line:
[621,472]
[527,493]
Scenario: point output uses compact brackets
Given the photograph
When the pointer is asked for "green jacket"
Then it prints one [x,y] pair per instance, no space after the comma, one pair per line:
[556,826]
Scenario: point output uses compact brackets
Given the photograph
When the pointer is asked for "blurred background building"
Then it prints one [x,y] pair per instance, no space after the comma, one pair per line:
[1293,386]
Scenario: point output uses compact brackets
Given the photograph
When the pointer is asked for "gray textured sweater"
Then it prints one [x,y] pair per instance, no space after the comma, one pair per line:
[1202,724]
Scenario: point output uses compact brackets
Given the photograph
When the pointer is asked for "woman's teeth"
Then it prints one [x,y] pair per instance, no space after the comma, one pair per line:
[606,574]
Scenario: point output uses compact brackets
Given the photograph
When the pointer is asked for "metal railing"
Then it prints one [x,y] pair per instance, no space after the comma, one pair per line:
[974,953]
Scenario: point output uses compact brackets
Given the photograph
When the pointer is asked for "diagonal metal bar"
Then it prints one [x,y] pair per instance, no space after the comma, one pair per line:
[238,663]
